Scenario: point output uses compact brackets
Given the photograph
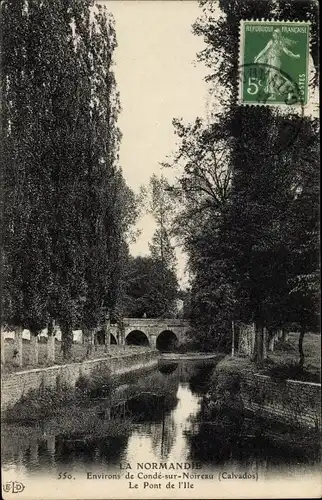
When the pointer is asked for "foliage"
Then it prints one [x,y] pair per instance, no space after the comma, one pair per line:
[160,204]
[291,371]
[249,192]
[66,212]
[185,296]
[98,384]
[203,188]
[65,414]
[151,288]
[40,404]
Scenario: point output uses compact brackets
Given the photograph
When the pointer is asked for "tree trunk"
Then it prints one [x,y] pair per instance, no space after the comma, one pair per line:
[284,335]
[264,343]
[33,348]
[271,340]
[51,342]
[301,338]
[66,340]
[107,340]
[18,346]
[3,359]
[232,338]
[51,447]
[90,335]
[260,343]
[34,449]
[87,340]
[252,340]
[258,355]
[120,333]
[93,344]
[240,338]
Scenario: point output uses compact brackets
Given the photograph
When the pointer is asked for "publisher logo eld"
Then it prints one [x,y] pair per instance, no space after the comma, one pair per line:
[13,487]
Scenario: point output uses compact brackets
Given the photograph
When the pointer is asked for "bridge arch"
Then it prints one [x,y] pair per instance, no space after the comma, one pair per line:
[137,337]
[167,341]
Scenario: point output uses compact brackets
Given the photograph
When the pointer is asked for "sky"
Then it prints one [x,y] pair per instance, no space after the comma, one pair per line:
[158,79]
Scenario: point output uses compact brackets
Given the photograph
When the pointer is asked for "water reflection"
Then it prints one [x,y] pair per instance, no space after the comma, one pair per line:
[168,422]
[165,440]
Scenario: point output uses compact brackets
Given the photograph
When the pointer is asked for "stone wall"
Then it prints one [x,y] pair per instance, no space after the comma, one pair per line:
[14,385]
[293,402]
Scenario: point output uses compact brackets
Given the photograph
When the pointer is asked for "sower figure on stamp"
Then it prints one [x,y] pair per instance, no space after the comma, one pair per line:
[271,56]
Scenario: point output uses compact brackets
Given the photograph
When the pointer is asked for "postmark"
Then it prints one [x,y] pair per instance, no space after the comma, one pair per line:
[274,58]
[285,134]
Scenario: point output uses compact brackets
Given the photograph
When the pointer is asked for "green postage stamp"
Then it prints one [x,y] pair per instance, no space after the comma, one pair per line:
[274,57]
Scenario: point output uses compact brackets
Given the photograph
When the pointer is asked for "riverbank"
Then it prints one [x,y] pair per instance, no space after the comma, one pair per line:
[102,411]
[160,414]
[195,356]
[288,402]
[99,404]
[283,363]
[15,386]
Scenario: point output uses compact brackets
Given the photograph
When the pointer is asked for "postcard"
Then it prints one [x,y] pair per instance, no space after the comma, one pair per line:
[160,254]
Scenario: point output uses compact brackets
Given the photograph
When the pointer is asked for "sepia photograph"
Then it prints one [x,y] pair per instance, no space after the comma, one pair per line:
[160,250]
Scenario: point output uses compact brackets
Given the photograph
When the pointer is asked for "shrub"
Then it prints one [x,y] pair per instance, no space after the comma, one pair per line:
[291,370]
[45,402]
[98,385]
[284,345]
[40,404]
[188,346]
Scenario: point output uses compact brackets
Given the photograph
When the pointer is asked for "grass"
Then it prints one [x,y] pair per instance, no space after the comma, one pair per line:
[154,383]
[291,371]
[282,363]
[85,423]
[235,365]
[78,354]
[82,412]
[99,390]
[95,391]
[43,403]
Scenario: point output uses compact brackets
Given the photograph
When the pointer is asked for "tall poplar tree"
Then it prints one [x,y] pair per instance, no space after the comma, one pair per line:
[64,223]
[160,205]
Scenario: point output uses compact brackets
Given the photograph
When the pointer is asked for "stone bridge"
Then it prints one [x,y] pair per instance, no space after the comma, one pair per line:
[162,334]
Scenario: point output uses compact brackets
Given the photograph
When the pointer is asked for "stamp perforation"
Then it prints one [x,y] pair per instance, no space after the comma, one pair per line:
[278,45]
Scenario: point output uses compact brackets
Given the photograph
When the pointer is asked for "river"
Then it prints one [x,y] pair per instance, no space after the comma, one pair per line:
[157,416]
